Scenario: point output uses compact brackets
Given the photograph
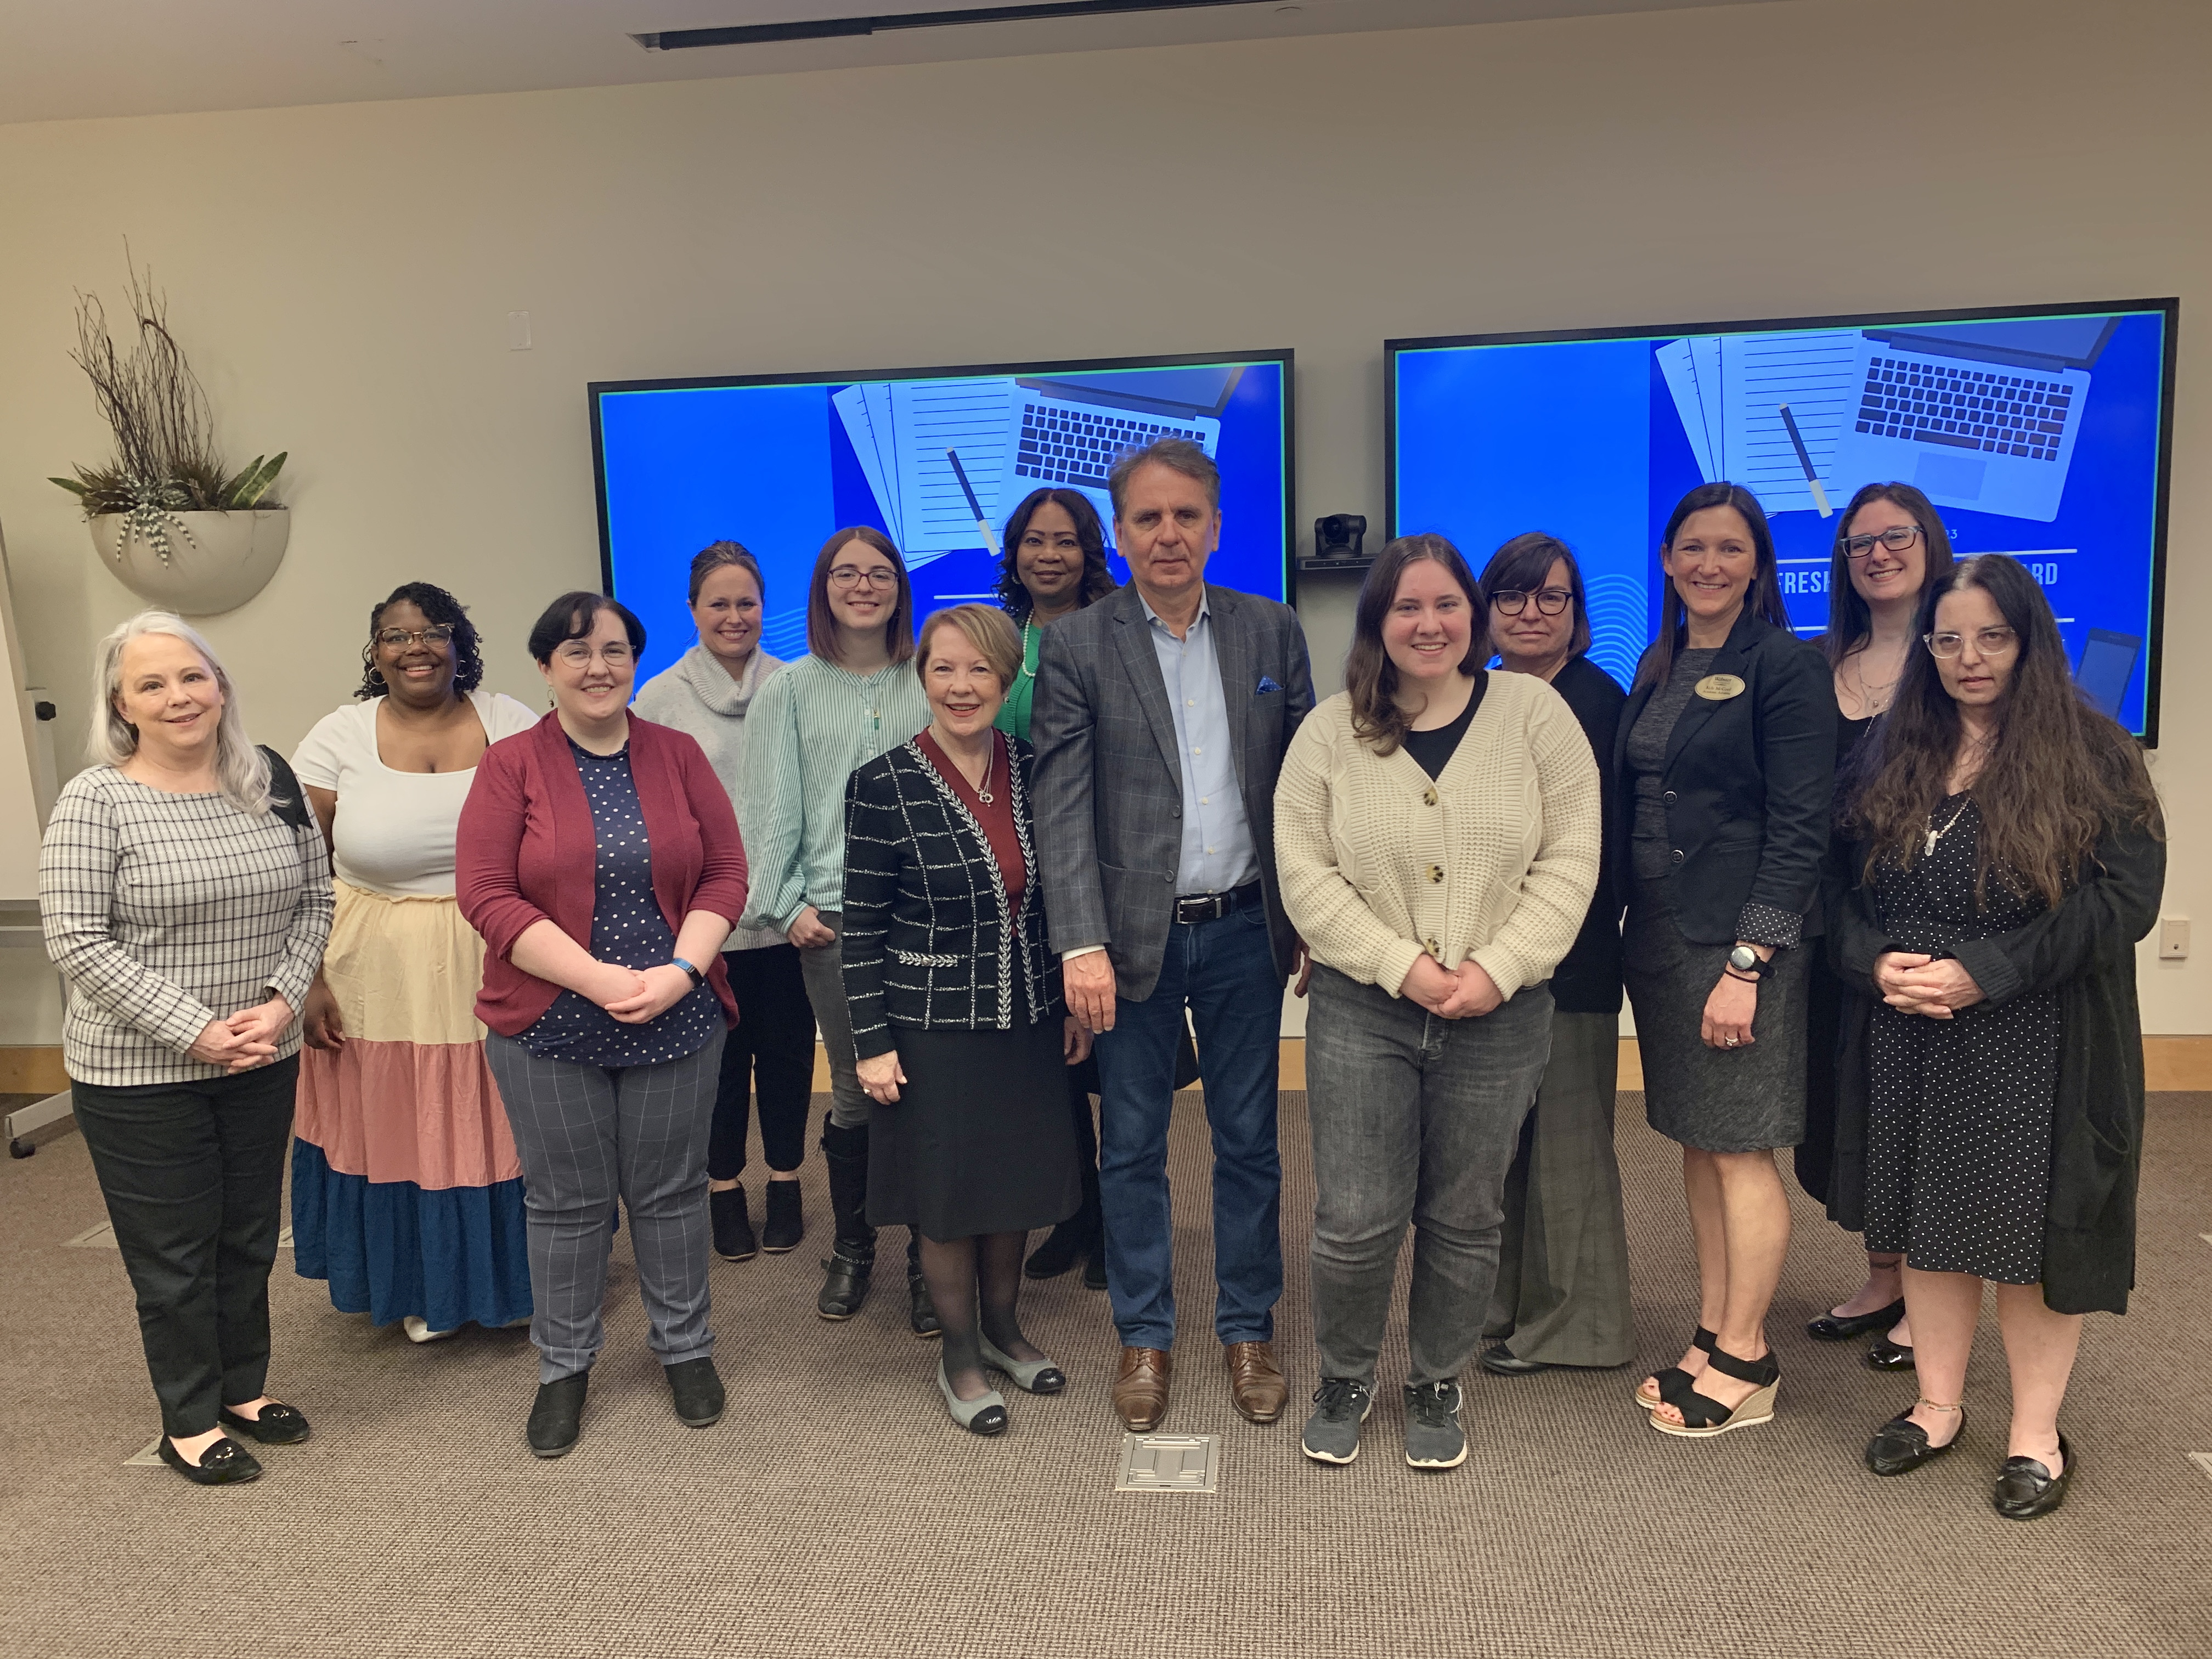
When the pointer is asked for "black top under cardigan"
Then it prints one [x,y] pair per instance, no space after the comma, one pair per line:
[2085,947]
[1588,979]
[1747,784]
[927,938]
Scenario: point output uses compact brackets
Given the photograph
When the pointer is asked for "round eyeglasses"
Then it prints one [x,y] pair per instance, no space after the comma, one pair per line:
[1550,601]
[1990,642]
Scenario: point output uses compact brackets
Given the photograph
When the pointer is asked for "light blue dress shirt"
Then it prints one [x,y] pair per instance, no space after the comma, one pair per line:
[1218,855]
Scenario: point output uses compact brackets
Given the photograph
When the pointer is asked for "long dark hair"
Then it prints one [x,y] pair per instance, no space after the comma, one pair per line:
[1090,535]
[2059,774]
[821,625]
[1371,678]
[1850,620]
[1765,598]
[1522,563]
[440,606]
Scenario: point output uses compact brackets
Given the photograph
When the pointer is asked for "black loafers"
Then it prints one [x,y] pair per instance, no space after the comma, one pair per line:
[697,1389]
[1888,1356]
[226,1463]
[277,1425]
[2025,1488]
[1900,1445]
[556,1417]
[1842,1327]
[920,1311]
[1094,1267]
[1504,1362]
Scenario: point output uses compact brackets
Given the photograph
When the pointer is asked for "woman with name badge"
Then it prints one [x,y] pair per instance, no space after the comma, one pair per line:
[1726,757]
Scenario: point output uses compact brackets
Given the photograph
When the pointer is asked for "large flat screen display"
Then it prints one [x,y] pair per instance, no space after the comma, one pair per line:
[2040,433]
[934,459]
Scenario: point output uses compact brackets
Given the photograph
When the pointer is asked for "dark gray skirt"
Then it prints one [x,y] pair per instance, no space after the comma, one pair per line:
[1718,1100]
[980,1139]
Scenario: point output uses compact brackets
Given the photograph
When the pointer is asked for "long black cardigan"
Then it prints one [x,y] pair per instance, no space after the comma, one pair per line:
[2084,947]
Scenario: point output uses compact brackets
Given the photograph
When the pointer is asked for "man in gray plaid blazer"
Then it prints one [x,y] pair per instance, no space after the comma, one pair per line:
[1160,720]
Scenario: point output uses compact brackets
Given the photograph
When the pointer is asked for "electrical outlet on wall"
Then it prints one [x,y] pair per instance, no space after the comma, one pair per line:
[2173,938]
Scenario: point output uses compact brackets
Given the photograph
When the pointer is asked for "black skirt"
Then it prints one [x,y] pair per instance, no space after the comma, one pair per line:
[980,1139]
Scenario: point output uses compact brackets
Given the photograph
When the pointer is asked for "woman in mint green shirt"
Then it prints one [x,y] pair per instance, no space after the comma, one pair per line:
[1054,563]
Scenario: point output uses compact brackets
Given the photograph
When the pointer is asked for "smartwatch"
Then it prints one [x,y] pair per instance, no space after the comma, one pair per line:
[699,979]
[1748,964]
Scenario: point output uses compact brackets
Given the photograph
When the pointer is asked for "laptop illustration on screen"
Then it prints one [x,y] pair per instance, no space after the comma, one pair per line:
[1067,430]
[1977,414]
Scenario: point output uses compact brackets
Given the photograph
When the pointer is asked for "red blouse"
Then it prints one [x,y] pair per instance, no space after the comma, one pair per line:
[997,818]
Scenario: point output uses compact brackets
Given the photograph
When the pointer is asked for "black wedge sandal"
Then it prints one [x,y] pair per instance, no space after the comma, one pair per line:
[1704,1417]
[1704,1341]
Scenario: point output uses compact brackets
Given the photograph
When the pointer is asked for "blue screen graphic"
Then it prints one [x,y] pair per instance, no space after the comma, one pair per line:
[780,466]
[2039,436]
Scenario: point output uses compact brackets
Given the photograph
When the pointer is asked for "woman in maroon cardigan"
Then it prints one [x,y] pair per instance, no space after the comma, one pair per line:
[599,859]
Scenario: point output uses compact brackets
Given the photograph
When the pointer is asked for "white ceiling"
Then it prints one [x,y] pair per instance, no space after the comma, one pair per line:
[72,59]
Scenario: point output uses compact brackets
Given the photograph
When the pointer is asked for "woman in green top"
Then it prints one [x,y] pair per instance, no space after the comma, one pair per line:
[1054,563]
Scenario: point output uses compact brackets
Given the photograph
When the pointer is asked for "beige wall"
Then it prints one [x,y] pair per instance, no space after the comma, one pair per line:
[342,274]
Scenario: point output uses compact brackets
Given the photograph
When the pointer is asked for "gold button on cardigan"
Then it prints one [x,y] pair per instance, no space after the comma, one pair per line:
[1362,859]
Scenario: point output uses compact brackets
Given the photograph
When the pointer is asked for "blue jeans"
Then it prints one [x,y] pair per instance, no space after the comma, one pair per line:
[1225,972]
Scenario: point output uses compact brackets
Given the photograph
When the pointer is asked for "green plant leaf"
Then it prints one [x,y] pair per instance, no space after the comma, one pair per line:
[262,476]
[228,497]
[69,484]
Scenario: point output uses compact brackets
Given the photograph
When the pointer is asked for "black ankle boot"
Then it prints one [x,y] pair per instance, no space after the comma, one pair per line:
[845,1159]
[921,1311]
[786,1225]
[733,1228]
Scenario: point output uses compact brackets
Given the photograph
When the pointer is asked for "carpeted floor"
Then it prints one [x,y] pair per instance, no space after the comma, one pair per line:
[836,1511]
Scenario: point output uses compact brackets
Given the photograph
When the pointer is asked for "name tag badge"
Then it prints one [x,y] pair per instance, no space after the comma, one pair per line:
[1719,688]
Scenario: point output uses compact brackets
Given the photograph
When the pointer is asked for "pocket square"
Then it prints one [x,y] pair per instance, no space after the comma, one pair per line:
[1265,686]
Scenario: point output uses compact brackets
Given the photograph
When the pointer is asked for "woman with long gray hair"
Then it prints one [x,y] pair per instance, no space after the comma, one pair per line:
[186,898]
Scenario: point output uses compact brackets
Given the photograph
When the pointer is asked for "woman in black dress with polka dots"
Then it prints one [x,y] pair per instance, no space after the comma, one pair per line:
[2010,844]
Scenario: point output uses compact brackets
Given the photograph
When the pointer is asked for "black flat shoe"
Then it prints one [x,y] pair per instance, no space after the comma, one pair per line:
[556,1417]
[1094,1267]
[1504,1362]
[277,1425]
[1842,1327]
[697,1388]
[732,1226]
[920,1312]
[786,1218]
[2025,1488]
[1069,1243]
[1900,1445]
[226,1464]
[1888,1356]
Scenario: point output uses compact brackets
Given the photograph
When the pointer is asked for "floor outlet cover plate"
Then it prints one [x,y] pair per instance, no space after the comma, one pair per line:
[1168,1463]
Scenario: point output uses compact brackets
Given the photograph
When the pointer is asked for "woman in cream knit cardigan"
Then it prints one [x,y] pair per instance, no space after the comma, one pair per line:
[1437,836]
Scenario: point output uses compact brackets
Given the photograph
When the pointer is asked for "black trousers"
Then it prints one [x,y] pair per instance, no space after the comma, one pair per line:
[770,1050]
[194,1174]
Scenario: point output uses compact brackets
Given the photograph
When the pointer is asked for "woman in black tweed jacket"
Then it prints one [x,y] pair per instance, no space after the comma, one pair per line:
[962,1038]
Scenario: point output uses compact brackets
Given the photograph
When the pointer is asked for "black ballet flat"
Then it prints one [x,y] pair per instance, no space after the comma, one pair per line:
[1504,1362]
[2024,1489]
[1900,1445]
[226,1463]
[277,1425]
[1842,1327]
[1888,1356]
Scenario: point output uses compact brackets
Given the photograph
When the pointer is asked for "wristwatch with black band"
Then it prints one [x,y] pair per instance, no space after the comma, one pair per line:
[1746,963]
[698,979]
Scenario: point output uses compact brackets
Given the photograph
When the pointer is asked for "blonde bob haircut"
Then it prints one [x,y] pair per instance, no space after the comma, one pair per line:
[241,771]
[986,629]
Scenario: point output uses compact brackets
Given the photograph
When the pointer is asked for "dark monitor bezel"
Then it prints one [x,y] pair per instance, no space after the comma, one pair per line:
[1287,357]
[2170,306]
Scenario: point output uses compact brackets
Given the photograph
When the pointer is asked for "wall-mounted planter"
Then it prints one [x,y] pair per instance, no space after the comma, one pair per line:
[215,561]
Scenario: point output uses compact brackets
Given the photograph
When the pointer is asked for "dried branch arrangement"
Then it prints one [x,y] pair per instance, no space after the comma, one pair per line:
[165,458]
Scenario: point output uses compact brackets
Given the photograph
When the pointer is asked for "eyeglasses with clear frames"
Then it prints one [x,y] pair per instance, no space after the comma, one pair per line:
[1990,642]
[399,639]
[852,575]
[1896,539]
[1550,601]
[616,654]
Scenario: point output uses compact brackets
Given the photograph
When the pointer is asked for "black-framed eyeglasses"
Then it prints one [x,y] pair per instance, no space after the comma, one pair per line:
[1550,601]
[1990,642]
[851,575]
[399,639]
[1896,539]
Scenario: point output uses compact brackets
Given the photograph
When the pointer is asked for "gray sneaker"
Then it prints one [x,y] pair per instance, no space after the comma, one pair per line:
[1331,1433]
[1434,1439]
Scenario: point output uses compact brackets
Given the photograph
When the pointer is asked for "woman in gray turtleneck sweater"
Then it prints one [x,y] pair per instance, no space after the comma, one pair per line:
[771,1049]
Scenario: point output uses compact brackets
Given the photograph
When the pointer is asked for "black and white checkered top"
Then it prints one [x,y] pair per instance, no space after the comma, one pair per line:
[165,911]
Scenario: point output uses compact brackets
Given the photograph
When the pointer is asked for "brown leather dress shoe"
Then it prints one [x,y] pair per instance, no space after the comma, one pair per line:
[1257,1387]
[1140,1388]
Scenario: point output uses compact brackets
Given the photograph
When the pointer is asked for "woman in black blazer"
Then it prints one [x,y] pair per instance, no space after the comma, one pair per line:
[1726,758]
[962,1038]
